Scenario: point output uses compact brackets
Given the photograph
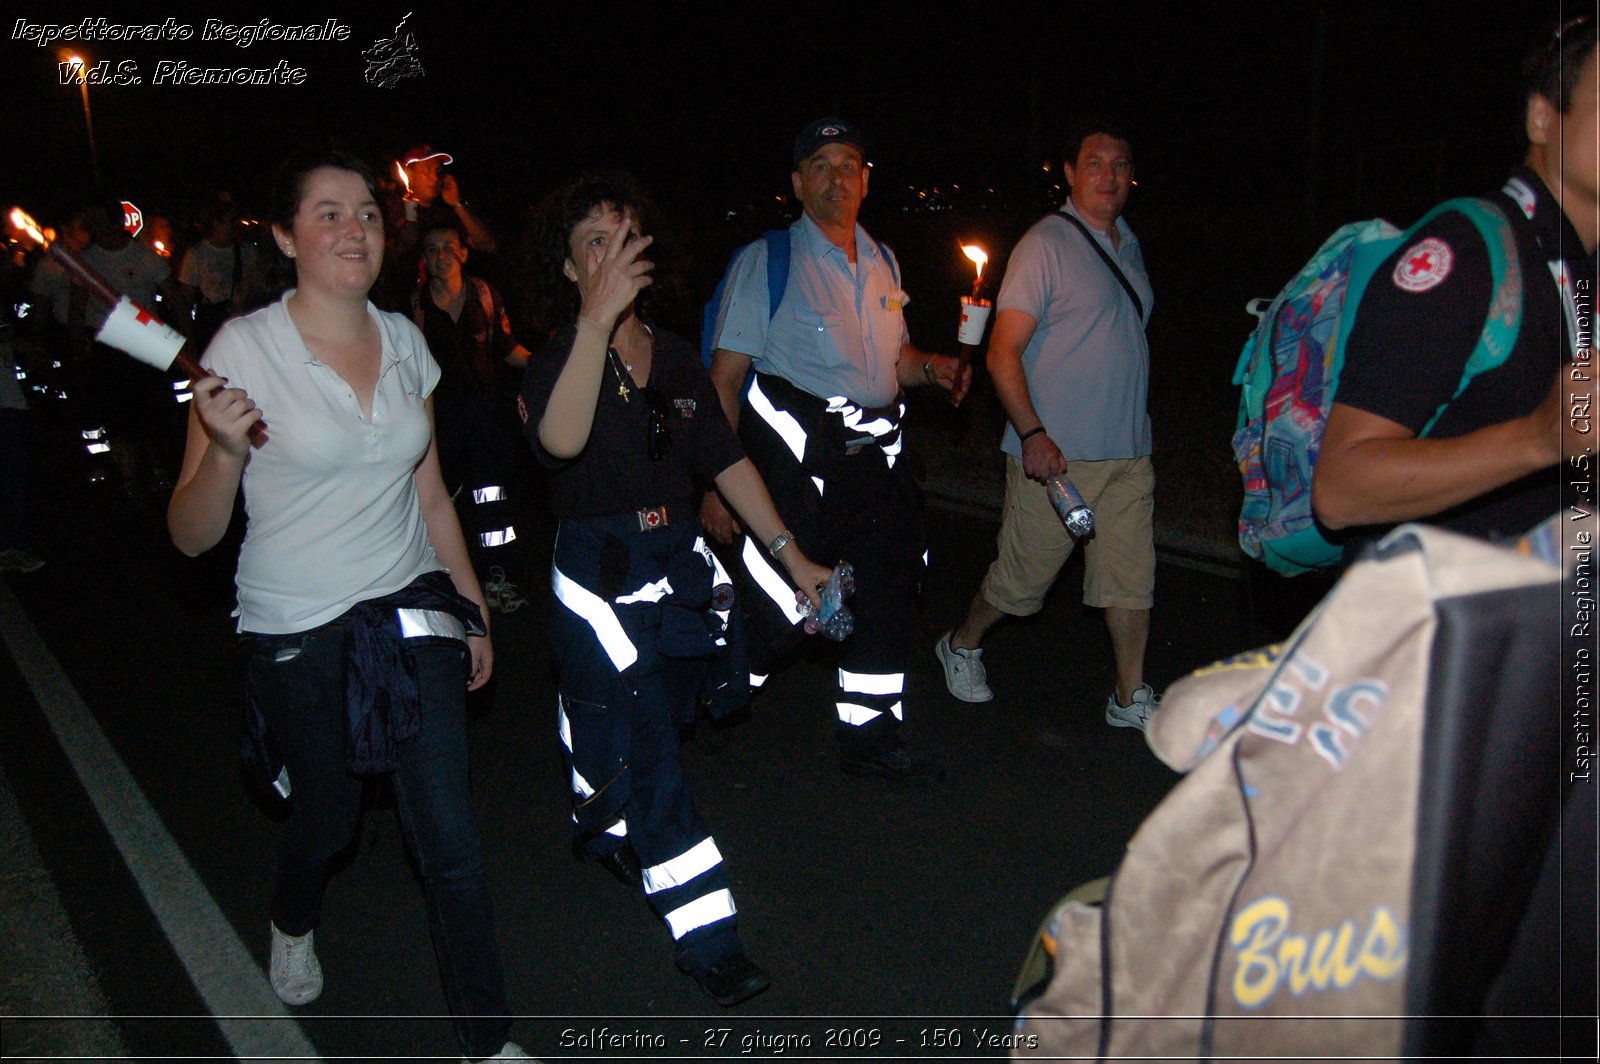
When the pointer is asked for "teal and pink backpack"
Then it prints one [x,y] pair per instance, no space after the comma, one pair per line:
[1289,372]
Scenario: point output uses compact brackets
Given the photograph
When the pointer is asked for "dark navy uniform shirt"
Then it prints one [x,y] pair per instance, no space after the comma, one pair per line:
[614,473]
[1422,315]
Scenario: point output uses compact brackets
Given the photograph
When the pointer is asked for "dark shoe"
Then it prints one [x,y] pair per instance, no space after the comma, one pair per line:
[734,979]
[623,865]
[893,763]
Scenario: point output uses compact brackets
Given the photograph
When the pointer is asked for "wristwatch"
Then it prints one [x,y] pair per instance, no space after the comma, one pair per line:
[780,541]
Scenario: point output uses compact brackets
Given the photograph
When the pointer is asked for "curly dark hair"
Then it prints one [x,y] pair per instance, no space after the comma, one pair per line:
[555,297]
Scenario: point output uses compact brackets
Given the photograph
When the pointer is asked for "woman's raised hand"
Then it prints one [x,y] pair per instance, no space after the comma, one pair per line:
[608,287]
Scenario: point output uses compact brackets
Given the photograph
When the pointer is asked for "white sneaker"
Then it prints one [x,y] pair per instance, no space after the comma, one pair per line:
[296,975]
[964,673]
[509,1051]
[1137,715]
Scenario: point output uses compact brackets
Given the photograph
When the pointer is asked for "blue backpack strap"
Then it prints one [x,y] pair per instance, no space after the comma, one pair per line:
[777,268]
[888,256]
[777,282]
[1503,318]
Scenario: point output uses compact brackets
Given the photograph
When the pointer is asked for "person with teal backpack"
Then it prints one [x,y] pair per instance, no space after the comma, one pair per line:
[1290,368]
[1451,347]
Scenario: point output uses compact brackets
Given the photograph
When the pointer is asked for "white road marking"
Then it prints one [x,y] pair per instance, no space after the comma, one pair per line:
[256,1024]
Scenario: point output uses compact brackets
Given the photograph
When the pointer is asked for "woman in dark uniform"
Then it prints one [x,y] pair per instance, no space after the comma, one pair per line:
[626,418]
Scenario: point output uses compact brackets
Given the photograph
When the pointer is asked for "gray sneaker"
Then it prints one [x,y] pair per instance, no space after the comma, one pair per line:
[964,673]
[296,975]
[17,560]
[500,593]
[1137,715]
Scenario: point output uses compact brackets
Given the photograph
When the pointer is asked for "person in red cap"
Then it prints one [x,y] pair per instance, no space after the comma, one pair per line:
[432,198]
[434,191]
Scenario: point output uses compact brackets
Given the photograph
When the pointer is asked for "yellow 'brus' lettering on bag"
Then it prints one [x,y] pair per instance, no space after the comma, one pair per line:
[1269,955]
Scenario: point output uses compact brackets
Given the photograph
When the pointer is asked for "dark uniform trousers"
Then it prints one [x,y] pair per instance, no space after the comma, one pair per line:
[478,450]
[617,635]
[834,470]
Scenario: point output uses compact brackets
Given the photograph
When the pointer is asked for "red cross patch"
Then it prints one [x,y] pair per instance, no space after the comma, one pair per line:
[1423,265]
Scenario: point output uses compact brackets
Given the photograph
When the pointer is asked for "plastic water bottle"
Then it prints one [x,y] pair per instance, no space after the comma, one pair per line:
[833,618]
[1074,512]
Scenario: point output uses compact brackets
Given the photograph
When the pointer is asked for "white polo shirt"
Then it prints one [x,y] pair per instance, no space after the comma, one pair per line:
[334,515]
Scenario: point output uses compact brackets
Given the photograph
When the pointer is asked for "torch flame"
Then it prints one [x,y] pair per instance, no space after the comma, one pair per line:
[405,178]
[978,256]
[28,226]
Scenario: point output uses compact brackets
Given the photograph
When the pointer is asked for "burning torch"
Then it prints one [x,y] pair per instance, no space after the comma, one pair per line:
[129,327]
[416,155]
[974,311]
[405,183]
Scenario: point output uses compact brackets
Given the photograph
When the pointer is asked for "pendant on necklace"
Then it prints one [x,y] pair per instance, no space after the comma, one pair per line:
[622,378]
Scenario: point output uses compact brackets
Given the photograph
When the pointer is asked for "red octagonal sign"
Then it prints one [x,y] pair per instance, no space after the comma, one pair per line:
[132,218]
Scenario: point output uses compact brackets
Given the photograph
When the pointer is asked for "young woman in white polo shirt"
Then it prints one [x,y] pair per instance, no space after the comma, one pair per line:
[365,624]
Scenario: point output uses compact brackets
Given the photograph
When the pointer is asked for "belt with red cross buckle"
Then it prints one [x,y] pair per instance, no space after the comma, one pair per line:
[652,518]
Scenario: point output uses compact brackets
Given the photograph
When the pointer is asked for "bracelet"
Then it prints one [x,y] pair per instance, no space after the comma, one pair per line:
[780,541]
[1030,433]
[927,370]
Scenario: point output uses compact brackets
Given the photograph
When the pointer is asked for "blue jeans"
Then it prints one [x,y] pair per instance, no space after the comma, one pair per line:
[299,683]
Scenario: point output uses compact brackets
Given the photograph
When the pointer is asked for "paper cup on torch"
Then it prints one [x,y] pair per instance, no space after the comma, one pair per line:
[974,311]
[974,319]
[133,329]
[129,327]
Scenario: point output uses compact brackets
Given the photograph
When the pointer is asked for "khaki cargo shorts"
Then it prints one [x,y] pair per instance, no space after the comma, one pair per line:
[1119,557]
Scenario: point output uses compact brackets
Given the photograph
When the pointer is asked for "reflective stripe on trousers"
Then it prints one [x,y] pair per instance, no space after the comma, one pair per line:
[865,696]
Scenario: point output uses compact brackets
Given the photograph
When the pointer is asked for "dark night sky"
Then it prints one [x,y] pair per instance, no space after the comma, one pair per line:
[1219,96]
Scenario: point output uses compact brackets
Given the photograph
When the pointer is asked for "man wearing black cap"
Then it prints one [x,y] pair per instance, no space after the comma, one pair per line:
[821,420]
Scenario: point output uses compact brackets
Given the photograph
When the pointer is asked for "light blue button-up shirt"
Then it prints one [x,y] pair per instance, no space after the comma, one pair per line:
[839,328]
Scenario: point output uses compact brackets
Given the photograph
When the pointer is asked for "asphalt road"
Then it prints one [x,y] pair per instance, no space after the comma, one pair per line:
[893,921]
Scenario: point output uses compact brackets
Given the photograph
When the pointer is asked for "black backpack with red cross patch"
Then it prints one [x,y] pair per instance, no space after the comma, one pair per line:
[1289,371]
